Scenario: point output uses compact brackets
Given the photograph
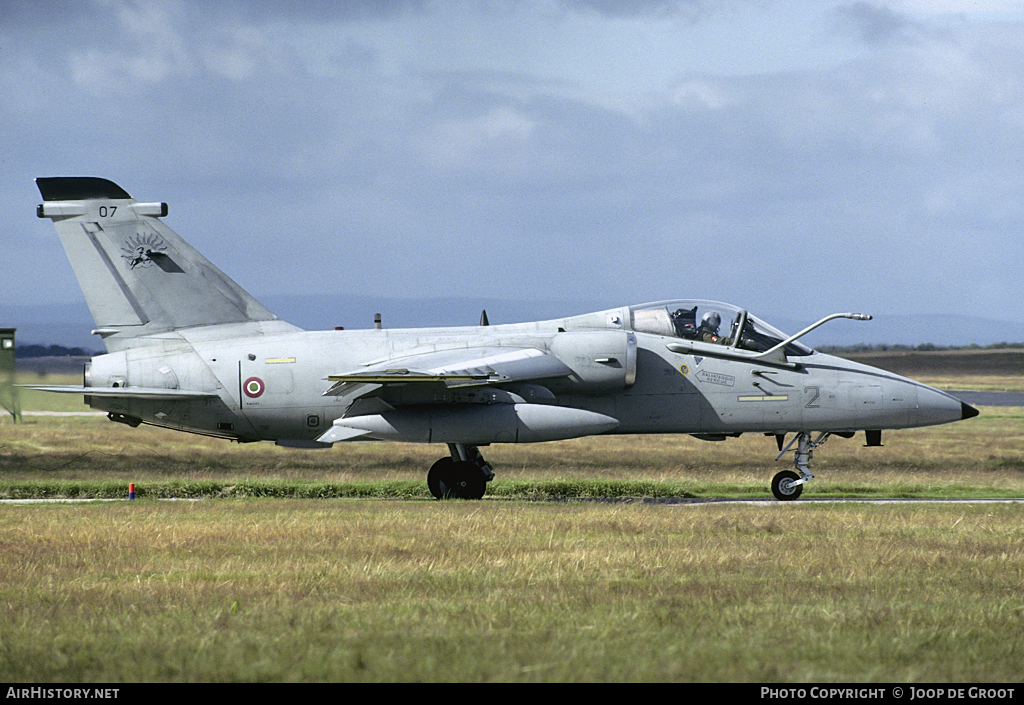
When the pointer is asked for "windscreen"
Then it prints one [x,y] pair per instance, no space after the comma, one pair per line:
[710,322]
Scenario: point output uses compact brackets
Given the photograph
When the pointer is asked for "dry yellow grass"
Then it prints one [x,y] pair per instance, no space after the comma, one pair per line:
[499,591]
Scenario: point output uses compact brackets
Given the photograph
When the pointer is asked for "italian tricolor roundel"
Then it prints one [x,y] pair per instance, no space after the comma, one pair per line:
[253,387]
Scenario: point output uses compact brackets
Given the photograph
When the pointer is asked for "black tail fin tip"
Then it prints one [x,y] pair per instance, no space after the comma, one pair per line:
[79,188]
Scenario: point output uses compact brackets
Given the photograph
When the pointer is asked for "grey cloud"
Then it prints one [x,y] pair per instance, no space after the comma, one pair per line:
[317,11]
[615,8]
[873,24]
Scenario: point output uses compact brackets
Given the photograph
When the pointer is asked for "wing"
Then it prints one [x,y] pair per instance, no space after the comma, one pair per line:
[465,367]
[448,376]
[476,395]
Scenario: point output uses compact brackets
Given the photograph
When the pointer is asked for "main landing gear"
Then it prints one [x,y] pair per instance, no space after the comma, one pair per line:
[788,485]
[464,475]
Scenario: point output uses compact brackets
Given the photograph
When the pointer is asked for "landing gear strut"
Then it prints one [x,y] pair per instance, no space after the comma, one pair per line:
[788,485]
[464,475]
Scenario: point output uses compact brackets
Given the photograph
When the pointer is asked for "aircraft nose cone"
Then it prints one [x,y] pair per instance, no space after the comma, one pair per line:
[936,407]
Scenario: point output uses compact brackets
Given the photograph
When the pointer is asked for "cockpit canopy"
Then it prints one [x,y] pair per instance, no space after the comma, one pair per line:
[710,322]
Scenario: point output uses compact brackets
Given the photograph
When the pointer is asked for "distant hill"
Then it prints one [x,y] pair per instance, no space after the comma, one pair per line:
[70,324]
[34,351]
[54,324]
[938,330]
[959,363]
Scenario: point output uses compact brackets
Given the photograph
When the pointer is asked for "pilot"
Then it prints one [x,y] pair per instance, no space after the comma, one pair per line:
[708,329]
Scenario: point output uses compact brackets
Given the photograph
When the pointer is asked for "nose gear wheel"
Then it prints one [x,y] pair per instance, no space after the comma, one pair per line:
[783,486]
[788,485]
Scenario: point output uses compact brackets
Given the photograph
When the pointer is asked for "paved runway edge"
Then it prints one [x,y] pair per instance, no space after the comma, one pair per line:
[976,398]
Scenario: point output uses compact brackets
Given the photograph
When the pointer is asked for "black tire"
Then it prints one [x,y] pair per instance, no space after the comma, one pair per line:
[439,472]
[448,479]
[783,491]
[467,482]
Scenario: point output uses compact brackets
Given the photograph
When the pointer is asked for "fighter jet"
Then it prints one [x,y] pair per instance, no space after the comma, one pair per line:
[189,349]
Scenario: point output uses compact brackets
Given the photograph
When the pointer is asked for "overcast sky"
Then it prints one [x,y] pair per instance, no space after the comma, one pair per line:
[801,157]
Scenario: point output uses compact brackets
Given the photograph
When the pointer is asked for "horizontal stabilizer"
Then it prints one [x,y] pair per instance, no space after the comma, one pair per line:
[122,392]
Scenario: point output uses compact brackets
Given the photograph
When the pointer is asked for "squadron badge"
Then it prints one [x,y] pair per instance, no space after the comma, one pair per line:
[140,250]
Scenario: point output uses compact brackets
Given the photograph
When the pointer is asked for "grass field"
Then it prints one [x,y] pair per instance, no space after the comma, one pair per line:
[509,589]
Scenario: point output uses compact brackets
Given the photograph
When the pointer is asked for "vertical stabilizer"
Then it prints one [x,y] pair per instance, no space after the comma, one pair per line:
[138,276]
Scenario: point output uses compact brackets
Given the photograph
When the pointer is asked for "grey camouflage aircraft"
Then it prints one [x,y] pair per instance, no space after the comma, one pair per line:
[189,349]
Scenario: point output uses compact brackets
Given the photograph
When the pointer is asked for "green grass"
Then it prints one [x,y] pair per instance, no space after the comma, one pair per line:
[556,489]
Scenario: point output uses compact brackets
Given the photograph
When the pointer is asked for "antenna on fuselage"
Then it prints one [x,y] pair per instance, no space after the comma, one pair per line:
[483,318]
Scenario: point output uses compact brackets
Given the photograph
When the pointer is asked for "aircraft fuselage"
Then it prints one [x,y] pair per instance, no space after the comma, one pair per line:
[271,386]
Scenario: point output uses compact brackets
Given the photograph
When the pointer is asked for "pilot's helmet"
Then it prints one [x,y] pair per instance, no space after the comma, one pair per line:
[712,320]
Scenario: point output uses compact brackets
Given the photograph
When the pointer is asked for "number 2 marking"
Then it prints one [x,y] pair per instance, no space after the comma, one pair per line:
[811,404]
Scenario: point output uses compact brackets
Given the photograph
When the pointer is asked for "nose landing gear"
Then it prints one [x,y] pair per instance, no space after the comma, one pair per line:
[788,485]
